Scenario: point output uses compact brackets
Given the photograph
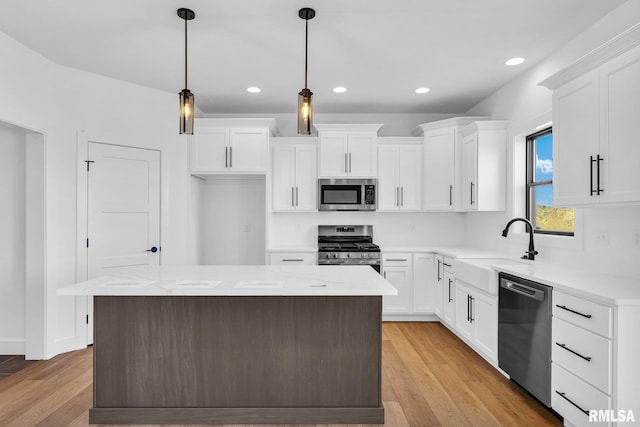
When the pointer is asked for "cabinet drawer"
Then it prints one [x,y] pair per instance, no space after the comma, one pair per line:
[580,393]
[396,259]
[293,258]
[587,314]
[583,353]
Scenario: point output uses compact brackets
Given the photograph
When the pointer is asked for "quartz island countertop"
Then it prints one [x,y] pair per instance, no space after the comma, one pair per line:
[236,280]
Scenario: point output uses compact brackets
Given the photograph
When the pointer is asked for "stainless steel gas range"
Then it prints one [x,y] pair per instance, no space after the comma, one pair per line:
[347,245]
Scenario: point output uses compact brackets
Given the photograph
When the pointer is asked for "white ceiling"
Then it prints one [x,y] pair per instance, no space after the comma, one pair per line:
[380,50]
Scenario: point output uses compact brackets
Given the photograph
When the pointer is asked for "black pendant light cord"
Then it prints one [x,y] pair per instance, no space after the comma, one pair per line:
[185,53]
[306,46]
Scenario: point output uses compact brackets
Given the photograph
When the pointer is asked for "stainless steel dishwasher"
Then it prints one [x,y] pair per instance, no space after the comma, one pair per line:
[524,334]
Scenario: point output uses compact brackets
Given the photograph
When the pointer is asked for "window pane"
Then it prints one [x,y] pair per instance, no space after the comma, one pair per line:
[548,218]
[544,158]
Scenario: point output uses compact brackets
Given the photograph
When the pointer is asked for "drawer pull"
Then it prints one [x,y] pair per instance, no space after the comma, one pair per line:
[588,359]
[293,259]
[397,259]
[562,395]
[564,307]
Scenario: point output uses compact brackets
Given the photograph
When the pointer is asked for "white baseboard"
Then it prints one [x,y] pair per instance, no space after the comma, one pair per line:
[11,347]
[410,318]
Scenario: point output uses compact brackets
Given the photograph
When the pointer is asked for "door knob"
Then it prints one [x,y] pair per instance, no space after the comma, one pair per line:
[153,249]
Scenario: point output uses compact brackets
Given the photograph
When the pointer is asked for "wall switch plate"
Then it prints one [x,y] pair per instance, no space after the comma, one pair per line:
[602,238]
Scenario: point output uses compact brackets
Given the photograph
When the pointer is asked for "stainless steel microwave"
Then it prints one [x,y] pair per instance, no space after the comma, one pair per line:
[346,194]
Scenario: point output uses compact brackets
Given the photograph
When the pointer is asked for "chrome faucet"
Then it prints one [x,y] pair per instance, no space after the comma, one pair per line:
[531,253]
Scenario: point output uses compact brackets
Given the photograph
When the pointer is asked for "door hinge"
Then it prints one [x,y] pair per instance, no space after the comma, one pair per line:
[87,319]
[88,162]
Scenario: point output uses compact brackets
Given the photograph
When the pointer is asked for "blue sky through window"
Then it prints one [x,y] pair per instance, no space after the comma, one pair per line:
[544,168]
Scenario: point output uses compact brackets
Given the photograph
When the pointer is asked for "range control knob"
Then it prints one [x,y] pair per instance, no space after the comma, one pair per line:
[335,255]
[348,255]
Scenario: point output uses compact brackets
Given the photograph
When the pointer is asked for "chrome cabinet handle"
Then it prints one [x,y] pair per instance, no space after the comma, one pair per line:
[397,197]
[471,309]
[292,202]
[226,157]
[292,259]
[450,195]
[349,162]
[397,259]
[563,346]
[230,157]
[296,196]
[564,307]
[562,395]
[345,163]
[598,189]
[591,162]
[471,192]
[439,278]
[401,196]
[450,291]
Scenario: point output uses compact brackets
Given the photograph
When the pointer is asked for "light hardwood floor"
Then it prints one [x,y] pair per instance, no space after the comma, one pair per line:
[430,378]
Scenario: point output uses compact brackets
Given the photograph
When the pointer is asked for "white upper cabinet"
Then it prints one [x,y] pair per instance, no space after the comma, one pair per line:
[399,174]
[230,146]
[293,174]
[347,150]
[484,153]
[596,105]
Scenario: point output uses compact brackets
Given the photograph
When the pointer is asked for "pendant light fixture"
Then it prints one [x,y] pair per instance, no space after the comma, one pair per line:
[186,97]
[305,107]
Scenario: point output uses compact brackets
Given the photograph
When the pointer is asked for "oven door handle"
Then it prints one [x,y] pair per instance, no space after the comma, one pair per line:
[522,290]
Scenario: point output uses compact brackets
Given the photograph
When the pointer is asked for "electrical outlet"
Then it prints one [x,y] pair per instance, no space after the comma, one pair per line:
[602,238]
[247,228]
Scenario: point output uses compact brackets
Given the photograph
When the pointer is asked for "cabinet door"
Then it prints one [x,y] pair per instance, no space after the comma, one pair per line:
[464,325]
[448,298]
[619,141]
[282,181]
[248,150]
[484,312]
[388,189]
[575,139]
[209,147]
[470,172]
[438,279]
[410,177]
[439,169]
[306,178]
[332,154]
[400,278]
[362,157]
[423,283]
[293,258]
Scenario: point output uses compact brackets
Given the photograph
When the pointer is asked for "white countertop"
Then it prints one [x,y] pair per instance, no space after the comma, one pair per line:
[236,280]
[606,288]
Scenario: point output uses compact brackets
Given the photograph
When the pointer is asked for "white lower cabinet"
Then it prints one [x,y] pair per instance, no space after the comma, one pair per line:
[293,258]
[413,275]
[397,269]
[423,286]
[476,319]
[448,298]
[582,354]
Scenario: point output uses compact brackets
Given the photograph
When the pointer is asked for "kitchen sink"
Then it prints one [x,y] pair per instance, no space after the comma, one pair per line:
[478,272]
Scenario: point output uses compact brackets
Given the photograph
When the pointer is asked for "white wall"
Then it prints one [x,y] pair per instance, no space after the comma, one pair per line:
[12,239]
[232,220]
[59,101]
[525,104]
[288,230]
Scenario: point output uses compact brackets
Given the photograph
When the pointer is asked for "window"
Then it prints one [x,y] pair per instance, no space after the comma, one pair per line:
[545,218]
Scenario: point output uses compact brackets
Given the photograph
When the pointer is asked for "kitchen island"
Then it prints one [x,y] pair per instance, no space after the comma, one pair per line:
[237,344]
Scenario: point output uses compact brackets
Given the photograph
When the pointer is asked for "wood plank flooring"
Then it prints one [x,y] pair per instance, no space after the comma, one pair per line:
[430,378]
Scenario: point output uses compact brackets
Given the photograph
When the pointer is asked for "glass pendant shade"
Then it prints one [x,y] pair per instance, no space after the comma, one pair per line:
[186,112]
[305,112]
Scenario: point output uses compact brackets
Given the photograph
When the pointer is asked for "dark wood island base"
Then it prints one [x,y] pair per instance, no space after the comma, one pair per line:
[237,359]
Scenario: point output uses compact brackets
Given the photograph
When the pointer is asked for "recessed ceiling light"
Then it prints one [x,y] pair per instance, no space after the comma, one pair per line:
[339,89]
[514,61]
[422,90]
[253,89]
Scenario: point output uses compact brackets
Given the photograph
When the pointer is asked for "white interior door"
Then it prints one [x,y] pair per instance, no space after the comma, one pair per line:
[123,226]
